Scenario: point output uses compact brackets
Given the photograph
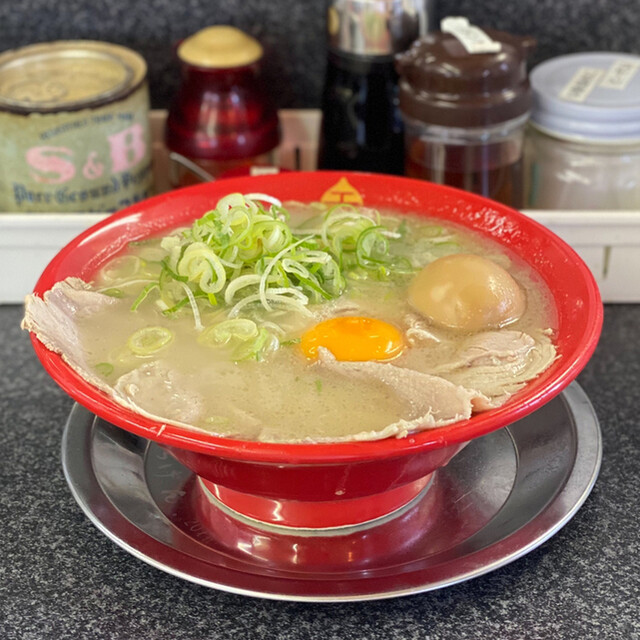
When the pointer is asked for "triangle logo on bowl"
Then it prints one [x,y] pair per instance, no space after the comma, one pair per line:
[342,191]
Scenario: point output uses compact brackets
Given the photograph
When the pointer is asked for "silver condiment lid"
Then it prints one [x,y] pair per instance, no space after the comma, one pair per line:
[590,97]
[377,27]
[67,75]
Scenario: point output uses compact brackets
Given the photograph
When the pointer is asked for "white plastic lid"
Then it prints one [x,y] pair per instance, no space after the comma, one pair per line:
[593,97]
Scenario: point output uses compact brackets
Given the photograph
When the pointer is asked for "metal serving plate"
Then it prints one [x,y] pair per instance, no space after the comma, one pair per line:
[502,496]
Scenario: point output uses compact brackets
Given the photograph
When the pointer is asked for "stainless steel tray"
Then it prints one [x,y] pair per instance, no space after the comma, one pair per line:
[501,497]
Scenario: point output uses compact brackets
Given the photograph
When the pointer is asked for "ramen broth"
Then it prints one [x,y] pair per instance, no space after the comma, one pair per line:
[285,396]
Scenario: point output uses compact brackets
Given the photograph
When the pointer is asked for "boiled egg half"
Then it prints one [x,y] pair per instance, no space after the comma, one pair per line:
[467,292]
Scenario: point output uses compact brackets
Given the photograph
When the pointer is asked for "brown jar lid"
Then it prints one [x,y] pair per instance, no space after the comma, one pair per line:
[442,84]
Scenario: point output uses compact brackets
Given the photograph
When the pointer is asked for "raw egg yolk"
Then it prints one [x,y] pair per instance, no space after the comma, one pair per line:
[354,339]
[467,292]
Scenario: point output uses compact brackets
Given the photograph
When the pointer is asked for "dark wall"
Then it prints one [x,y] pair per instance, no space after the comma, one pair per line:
[292,31]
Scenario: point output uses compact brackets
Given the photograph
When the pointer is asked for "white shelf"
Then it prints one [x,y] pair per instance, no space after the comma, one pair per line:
[608,241]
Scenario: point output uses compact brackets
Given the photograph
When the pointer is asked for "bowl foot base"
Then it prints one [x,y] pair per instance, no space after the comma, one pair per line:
[312,518]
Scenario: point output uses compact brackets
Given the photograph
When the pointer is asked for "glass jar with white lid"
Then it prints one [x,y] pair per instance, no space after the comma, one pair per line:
[584,135]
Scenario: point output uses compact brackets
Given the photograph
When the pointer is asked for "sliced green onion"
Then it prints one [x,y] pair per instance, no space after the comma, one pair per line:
[243,257]
[221,333]
[265,276]
[242,336]
[143,295]
[121,268]
[194,307]
[218,421]
[176,307]
[113,292]
[200,264]
[446,248]
[239,283]
[104,369]
[149,340]
[257,349]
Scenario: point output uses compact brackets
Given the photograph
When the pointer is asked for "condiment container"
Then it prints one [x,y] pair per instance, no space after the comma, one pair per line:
[222,116]
[584,140]
[465,99]
[74,125]
[361,125]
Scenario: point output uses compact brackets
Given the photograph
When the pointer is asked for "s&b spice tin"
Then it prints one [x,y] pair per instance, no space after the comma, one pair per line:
[74,128]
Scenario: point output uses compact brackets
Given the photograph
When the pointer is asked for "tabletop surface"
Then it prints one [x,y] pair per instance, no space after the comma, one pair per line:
[61,578]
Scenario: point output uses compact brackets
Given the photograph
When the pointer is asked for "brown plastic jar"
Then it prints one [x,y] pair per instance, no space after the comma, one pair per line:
[465,113]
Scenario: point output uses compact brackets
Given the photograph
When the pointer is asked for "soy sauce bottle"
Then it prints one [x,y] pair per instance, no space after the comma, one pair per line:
[361,126]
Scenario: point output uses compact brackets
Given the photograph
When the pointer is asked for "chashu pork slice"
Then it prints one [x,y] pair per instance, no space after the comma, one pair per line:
[418,332]
[498,363]
[431,401]
[52,319]
[153,389]
[157,390]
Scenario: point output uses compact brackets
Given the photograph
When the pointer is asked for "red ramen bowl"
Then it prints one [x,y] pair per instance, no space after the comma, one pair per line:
[332,485]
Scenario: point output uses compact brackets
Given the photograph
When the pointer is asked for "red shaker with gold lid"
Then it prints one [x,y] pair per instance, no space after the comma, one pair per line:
[222,117]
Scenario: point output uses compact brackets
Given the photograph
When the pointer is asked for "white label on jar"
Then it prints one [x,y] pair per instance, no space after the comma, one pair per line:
[258,170]
[473,39]
[584,81]
[620,74]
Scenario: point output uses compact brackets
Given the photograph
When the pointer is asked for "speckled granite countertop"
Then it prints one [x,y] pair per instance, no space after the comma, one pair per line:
[61,578]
